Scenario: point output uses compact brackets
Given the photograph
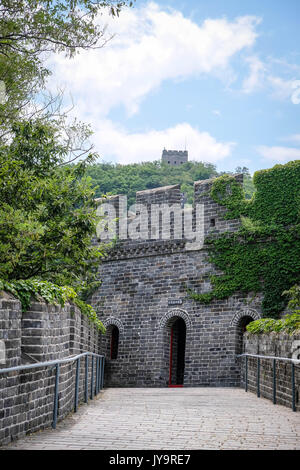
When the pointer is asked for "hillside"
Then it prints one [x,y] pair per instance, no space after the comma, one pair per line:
[111,178]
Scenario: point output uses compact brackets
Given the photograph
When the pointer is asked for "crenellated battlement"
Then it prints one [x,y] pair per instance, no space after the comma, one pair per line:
[170,194]
[164,194]
[160,224]
[175,152]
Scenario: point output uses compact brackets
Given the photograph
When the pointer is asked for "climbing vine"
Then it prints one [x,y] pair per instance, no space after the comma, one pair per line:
[226,191]
[264,254]
[288,324]
[26,290]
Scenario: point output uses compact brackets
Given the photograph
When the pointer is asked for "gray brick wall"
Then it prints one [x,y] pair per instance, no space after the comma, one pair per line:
[141,282]
[274,344]
[43,333]
[10,329]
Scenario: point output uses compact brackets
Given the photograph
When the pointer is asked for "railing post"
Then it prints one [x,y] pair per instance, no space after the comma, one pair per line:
[92,379]
[274,381]
[97,375]
[293,388]
[77,384]
[86,384]
[102,372]
[55,407]
[258,377]
[246,373]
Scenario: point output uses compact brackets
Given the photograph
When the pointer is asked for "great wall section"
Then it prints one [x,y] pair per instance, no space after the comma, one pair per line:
[157,336]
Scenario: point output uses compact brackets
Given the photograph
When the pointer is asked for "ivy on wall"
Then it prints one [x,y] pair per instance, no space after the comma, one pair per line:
[226,191]
[264,254]
[288,324]
[26,290]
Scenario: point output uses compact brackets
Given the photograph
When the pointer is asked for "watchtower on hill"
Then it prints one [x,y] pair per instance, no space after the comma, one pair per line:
[174,157]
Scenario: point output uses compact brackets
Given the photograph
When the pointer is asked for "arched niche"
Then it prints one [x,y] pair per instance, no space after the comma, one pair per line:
[174,325]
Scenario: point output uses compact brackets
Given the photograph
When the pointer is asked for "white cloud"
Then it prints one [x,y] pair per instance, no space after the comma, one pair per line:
[292,138]
[282,89]
[151,45]
[262,76]
[256,76]
[279,154]
[137,147]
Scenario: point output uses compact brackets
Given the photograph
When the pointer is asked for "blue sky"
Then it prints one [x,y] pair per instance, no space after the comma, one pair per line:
[222,77]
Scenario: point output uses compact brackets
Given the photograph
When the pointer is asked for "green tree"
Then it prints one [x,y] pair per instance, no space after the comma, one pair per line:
[293,295]
[47,215]
[249,187]
[30,29]
[109,178]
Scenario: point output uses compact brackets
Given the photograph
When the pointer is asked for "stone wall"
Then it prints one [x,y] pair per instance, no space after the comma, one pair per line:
[214,221]
[143,292]
[139,296]
[280,345]
[43,333]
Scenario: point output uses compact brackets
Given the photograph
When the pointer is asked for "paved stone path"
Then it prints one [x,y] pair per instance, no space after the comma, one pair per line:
[180,418]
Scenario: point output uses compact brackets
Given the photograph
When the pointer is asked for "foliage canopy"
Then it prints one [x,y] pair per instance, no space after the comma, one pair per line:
[288,324]
[30,289]
[109,178]
[31,30]
[47,214]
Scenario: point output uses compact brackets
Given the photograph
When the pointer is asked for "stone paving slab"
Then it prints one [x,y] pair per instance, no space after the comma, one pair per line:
[172,419]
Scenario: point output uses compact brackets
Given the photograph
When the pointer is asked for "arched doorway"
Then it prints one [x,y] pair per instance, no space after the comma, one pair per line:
[240,321]
[240,330]
[112,347]
[177,328]
[114,342]
[111,340]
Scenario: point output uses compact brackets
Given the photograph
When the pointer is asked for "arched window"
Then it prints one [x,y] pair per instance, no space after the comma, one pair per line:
[114,342]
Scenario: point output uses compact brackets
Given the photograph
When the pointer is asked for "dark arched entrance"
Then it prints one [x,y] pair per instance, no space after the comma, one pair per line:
[240,330]
[240,326]
[177,352]
[114,342]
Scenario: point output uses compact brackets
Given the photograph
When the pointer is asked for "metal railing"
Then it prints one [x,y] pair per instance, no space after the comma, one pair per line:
[95,386]
[274,359]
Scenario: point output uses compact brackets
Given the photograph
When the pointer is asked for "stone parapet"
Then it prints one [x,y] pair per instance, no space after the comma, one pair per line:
[43,333]
[279,345]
